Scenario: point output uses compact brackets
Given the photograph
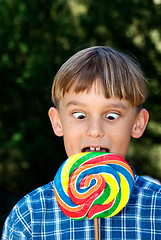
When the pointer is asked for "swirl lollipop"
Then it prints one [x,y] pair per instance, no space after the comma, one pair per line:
[93,185]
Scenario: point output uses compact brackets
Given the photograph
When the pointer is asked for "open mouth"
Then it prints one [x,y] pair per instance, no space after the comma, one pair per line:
[95,149]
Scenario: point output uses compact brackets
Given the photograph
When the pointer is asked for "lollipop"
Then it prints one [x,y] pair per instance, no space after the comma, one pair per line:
[93,185]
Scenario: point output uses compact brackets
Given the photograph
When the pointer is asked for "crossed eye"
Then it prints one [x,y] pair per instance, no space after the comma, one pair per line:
[112,116]
[79,115]
[109,116]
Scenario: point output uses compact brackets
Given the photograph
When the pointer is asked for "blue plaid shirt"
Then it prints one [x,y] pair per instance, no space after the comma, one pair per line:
[37,216]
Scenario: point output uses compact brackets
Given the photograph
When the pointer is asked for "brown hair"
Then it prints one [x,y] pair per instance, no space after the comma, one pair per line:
[120,75]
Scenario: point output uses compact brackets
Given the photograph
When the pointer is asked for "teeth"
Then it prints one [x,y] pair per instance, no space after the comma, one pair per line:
[92,149]
[95,149]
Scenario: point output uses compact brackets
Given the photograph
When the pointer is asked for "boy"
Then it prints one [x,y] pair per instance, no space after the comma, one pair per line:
[98,95]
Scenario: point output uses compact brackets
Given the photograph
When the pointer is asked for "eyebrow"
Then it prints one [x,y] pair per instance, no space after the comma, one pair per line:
[74,102]
[115,105]
[118,105]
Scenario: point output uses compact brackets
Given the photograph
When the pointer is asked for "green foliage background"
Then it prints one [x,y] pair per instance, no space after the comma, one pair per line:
[36,37]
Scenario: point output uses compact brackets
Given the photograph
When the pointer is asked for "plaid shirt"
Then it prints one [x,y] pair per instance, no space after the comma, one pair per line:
[37,216]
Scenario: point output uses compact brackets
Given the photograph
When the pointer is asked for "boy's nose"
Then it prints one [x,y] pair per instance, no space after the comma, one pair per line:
[95,129]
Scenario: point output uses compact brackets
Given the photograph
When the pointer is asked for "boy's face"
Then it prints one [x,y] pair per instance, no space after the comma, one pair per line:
[90,122]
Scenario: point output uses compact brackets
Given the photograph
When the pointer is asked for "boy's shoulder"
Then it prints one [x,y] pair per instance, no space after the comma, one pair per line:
[36,200]
[145,193]
[37,196]
[149,187]
[29,210]
[46,189]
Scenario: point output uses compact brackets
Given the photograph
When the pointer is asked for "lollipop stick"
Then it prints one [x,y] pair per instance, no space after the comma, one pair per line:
[97,228]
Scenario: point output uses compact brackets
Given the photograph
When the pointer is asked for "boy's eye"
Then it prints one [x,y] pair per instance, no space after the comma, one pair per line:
[79,115]
[112,116]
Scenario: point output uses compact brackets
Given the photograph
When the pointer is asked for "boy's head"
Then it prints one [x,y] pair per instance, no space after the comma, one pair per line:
[98,95]
[118,74]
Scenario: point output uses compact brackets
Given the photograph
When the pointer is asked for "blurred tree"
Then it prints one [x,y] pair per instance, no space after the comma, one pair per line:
[36,37]
[35,40]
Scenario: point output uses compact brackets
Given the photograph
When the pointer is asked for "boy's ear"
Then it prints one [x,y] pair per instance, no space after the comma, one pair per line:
[140,123]
[55,121]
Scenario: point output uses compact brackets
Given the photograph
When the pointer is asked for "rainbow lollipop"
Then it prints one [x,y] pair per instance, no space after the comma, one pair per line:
[93,185]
